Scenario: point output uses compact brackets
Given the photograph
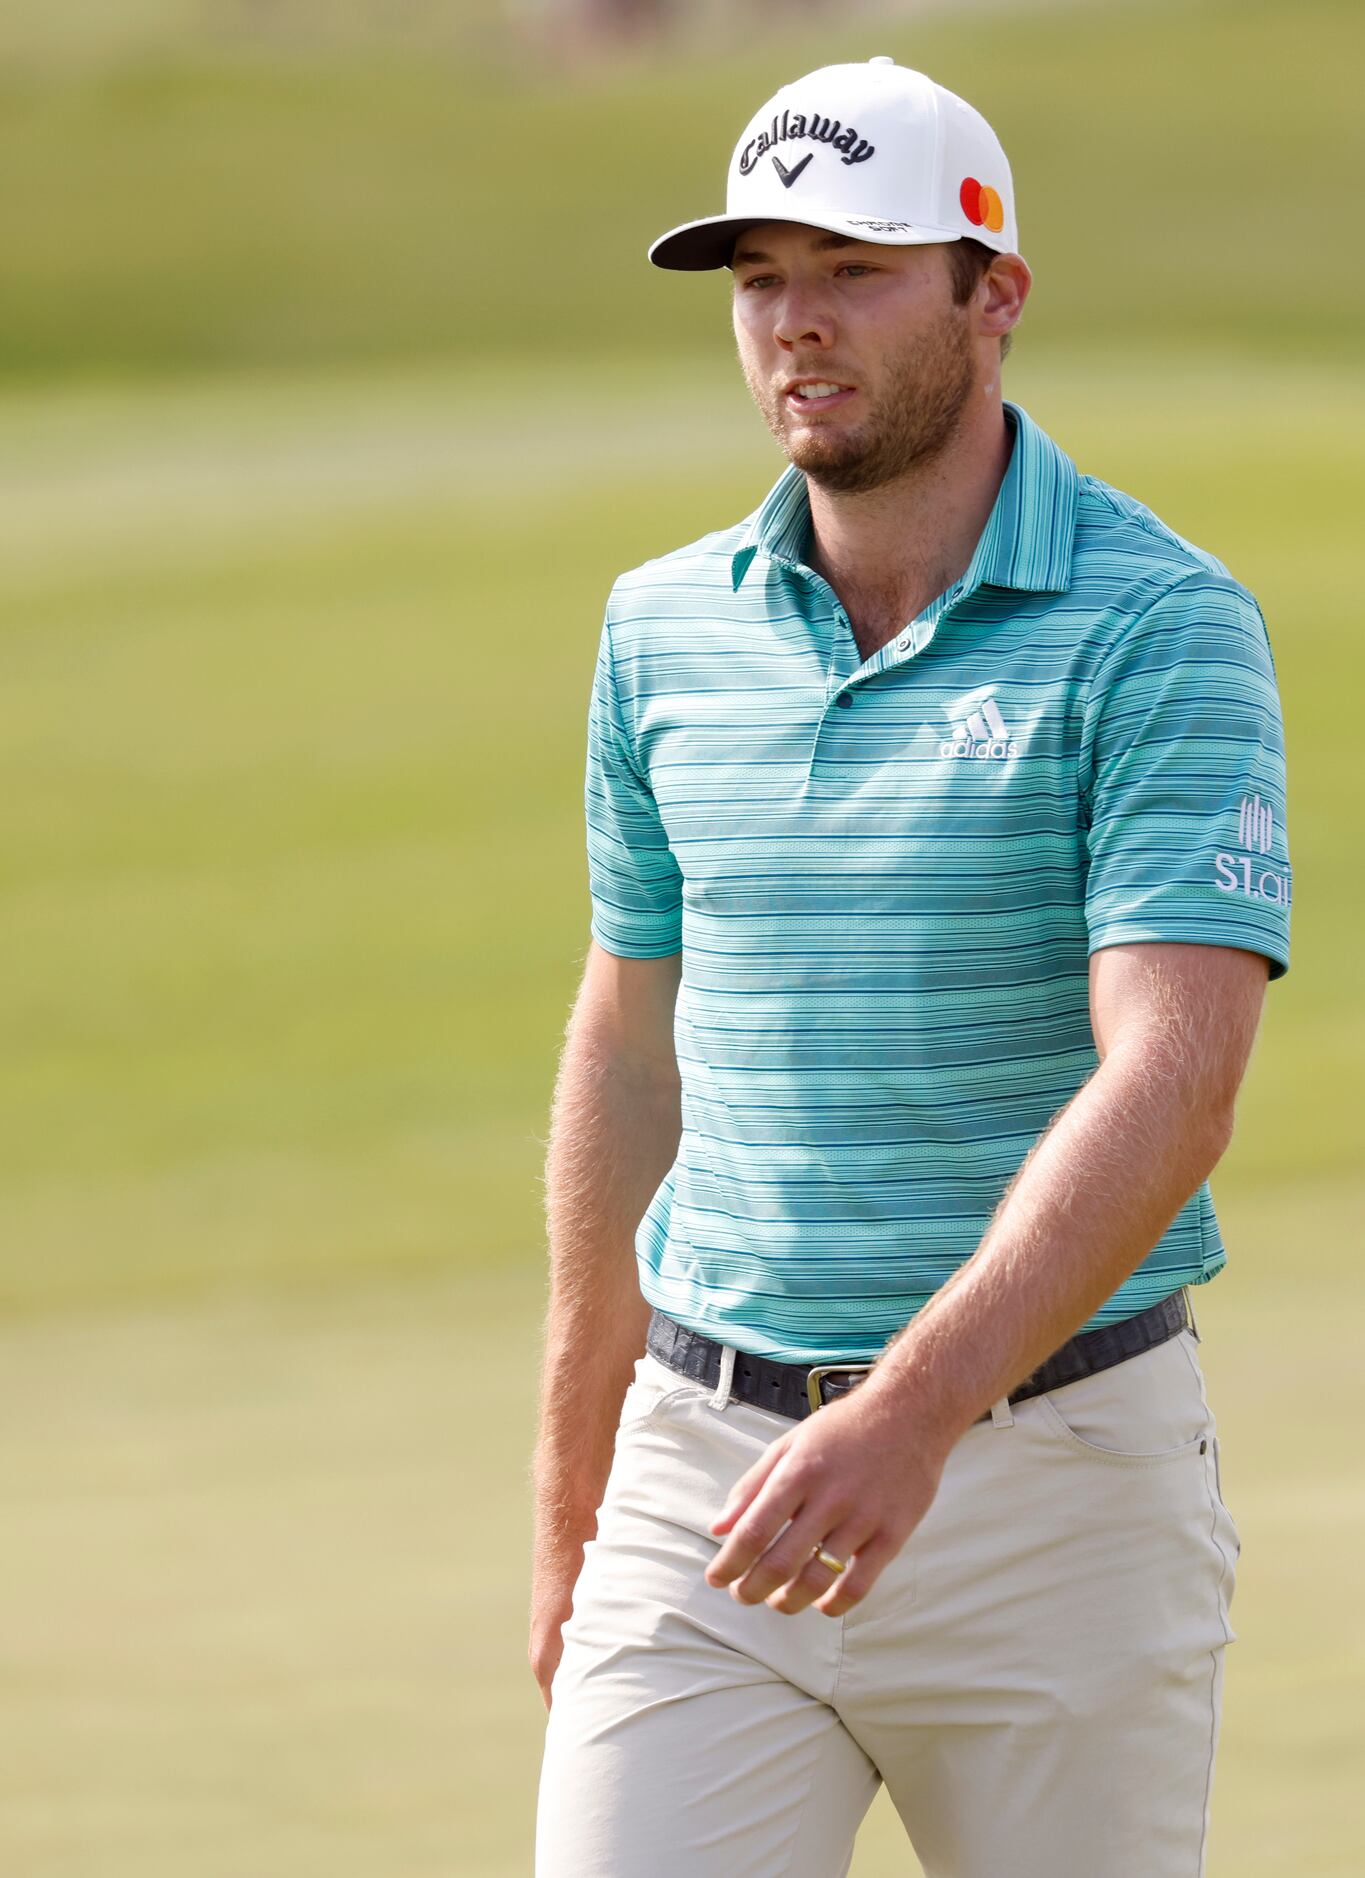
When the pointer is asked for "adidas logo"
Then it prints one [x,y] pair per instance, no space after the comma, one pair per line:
[978,729]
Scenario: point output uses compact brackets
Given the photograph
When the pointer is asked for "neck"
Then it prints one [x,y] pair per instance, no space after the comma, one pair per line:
[888,552]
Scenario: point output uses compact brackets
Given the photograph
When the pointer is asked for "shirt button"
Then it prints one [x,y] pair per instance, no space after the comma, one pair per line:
[904,645]
[845,698]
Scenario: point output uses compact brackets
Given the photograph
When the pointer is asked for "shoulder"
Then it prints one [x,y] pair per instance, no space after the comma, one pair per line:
[654,612]
[1110,521]
[1152,581]
[683,577]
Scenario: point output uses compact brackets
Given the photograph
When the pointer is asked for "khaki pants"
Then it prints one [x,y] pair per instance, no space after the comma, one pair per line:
[1036,1676]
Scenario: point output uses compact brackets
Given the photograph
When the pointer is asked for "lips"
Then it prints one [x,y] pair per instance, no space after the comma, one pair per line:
[809,395]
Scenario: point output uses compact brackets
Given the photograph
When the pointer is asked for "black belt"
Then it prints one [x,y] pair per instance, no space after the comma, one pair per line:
[796,1389]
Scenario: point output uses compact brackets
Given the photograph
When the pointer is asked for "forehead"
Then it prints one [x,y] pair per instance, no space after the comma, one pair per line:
[767,239]
[781,242]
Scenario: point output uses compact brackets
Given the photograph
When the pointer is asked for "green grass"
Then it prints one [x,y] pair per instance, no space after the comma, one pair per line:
[281,997]
[265,1588]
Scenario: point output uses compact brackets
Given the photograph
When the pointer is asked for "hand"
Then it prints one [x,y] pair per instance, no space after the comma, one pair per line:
[546,1648]
[854,1478]
[552,1583]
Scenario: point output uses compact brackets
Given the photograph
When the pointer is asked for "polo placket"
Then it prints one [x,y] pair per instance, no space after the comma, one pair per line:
[845,674]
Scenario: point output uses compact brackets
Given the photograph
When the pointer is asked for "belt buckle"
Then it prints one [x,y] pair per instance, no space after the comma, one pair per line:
[816,1375]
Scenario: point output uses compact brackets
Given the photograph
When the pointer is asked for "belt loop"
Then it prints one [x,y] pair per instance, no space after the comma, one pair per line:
[1189,1312]
[1001,1413]
[721,1397]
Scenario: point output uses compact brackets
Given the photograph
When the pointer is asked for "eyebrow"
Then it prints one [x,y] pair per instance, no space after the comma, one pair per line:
[745,257]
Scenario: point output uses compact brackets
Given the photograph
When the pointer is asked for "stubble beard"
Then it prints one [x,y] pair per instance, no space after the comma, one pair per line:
[929,386]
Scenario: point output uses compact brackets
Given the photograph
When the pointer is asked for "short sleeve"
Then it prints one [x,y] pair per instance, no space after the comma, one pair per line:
[633,878]
[1183,779]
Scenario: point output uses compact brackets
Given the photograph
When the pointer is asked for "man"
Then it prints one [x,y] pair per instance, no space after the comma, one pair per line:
[937,856]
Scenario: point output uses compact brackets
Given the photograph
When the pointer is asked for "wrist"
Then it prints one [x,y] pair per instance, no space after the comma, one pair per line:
[903,1392]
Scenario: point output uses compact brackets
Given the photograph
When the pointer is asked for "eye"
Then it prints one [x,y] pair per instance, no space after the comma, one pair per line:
[857,267]
[760,280]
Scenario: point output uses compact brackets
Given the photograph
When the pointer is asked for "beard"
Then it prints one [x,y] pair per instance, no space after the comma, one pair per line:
[928,386]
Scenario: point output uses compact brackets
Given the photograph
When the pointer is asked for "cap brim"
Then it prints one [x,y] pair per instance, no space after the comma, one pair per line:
[709,243]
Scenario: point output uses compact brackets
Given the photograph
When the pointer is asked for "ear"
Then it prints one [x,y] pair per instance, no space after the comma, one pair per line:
[1001,293]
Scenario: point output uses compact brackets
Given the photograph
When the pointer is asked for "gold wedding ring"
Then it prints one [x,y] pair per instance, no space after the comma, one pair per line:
[828,1558]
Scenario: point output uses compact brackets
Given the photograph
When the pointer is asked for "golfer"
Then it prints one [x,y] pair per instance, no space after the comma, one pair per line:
[936,846]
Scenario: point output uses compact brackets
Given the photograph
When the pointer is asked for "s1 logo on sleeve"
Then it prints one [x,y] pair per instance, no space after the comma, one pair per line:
[1237,873]
[1240,873]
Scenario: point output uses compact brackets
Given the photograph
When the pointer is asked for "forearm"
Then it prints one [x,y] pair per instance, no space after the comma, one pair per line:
[1090,1202]
[613,1137]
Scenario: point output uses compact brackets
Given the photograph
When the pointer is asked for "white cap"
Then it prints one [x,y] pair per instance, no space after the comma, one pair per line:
[874,151]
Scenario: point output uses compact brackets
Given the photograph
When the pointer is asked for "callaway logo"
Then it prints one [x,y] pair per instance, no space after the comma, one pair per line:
[795,124]
[790,176]
[1238,873]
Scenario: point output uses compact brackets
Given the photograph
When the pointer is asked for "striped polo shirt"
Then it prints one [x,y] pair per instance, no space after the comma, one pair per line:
[886,877]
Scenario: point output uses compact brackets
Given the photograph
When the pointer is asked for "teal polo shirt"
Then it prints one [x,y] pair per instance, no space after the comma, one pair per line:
[886,877]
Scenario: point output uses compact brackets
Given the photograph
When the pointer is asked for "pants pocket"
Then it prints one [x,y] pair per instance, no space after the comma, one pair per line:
[1147,1411]
[653,1385]
[1233,1534]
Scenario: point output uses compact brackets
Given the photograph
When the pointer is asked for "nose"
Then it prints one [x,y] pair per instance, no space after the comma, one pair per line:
[803,317]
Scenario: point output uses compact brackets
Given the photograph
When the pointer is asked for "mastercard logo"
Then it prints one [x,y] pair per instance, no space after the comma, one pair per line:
[982,205]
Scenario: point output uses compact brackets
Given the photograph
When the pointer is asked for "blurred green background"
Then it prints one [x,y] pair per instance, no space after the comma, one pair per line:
[334,391]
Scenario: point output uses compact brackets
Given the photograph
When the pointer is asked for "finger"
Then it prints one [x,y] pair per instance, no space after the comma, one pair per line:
[853,1585]
[814,1579]
[755,1530]
[783,1561]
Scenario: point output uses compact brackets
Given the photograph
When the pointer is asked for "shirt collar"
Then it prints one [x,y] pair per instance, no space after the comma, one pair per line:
[1027,541]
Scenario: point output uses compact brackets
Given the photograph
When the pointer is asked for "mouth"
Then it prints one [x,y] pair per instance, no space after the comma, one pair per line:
[809,396]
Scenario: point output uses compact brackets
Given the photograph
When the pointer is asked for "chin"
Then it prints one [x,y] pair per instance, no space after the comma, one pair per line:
[815,453]
[836,467]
